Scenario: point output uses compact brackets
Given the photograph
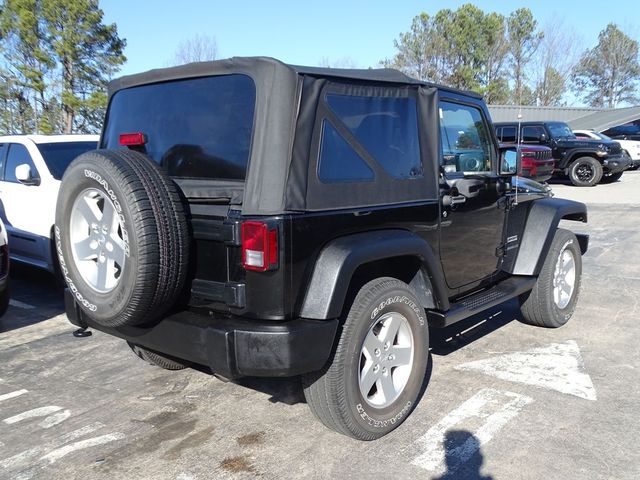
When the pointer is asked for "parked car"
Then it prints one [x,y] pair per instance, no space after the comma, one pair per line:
[537,162]
[631,148]
[31,167]
[4,270]
[632,129]
[585,162]
[335,216]
[635,137]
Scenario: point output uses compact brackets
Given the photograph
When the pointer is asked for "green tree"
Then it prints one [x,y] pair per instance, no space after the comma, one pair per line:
[555,59]
[27,53]
[523,41]
[88,53]
[550,88]
[608,73]
[58,56]
[463,48]
[420,51]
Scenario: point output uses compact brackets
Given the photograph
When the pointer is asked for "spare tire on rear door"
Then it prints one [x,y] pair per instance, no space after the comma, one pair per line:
[121,237]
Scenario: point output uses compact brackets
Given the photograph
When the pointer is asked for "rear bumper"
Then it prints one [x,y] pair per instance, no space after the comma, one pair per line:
[232,347]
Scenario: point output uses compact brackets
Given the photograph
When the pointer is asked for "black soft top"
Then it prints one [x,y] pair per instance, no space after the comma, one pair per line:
[279,170]
[258,64]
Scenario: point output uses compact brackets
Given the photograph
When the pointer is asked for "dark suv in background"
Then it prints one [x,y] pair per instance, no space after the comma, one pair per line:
[265,219]
[584,162]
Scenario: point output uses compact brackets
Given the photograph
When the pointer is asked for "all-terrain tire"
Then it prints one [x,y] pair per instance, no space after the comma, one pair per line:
[614,177]
[334,394]
[544,306]
[157,359]
[585,172]
[152,232]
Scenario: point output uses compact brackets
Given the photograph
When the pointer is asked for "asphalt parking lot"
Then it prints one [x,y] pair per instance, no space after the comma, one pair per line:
[505,400]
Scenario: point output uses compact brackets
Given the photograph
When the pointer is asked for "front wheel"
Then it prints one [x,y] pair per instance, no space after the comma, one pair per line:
[553,299]
[585,172]
[376,375]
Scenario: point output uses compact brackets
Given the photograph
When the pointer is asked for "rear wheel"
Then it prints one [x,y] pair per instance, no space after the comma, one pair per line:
[585,172]
[376,375]
[553,299]
[157,359]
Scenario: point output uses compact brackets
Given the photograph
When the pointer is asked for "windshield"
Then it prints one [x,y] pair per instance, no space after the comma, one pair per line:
[602,136]
[59,155]
[560,130]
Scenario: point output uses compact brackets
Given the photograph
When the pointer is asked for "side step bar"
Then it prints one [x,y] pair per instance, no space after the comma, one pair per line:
[478,302]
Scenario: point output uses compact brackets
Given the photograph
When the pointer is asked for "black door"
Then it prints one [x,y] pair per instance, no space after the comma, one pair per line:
[473,212]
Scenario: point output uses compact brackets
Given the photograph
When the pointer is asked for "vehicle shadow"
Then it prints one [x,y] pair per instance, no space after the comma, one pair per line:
[449,339]
[443,342]
[462,456]
[35,297]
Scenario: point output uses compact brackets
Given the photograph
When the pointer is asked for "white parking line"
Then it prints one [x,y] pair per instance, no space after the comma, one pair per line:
[558,367]
[36,412]
[55,419]
[15,394]
[58,453]
[17,303]
[493,407]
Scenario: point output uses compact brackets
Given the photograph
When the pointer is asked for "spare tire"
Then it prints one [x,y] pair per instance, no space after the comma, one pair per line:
[121,237]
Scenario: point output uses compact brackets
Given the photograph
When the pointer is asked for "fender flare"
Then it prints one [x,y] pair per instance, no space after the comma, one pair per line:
[339,259]
[542,221]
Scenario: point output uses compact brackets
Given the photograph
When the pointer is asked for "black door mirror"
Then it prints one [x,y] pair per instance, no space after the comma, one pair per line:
[542,137]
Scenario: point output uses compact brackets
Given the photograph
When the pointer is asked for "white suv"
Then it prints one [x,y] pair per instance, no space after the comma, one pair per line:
[31,167]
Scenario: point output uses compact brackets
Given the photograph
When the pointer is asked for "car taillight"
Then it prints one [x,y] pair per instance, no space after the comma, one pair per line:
[135,139]
[259,246]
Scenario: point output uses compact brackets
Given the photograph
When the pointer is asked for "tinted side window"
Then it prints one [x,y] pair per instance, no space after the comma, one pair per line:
[387,127]
[508,135]
[59,155]
[196,128]
[466,144]
[18,154]
[339,162]
[532,134]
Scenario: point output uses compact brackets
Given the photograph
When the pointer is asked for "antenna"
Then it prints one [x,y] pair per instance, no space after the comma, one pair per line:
[518,153]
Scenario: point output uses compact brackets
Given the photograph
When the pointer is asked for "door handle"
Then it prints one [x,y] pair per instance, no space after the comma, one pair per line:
[449,200]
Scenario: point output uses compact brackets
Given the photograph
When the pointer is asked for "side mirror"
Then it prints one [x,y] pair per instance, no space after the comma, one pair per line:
[509,161]
[542,137]
[25,176]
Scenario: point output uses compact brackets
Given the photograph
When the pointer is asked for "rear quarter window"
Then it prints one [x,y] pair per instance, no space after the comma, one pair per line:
[195,128]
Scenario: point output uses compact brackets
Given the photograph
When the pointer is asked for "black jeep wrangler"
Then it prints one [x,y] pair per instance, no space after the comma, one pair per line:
[585,162]
[265,219]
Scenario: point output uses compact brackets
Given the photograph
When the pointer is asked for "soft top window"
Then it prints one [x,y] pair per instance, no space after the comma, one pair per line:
[195,128]
[387,127]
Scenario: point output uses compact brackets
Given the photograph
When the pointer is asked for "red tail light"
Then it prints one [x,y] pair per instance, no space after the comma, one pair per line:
[132,139]
[259,246]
